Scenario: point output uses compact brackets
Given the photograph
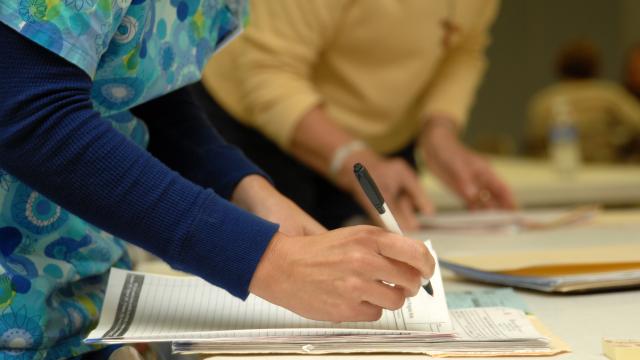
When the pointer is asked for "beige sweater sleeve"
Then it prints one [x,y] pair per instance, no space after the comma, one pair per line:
[282,42]
[452,91]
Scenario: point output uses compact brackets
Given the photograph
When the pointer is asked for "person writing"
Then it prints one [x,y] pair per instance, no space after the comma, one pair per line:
[78,80]
[314,86]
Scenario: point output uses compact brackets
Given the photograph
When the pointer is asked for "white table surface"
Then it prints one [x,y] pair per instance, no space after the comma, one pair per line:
[580,320]
[537,183]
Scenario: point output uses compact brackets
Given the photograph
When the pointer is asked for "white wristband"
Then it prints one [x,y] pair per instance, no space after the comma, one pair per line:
[341,154]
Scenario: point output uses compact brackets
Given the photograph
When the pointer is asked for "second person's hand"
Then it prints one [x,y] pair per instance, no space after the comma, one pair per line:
[461,169]
[255,194]
[340,275]
[398,183]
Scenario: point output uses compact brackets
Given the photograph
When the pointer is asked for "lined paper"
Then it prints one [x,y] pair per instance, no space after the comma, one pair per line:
[145,306]
[201,318]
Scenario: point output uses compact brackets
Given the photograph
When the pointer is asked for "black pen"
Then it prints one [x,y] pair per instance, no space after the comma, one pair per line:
[371,190]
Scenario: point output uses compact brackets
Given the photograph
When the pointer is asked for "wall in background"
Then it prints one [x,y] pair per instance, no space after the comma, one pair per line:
[526,37]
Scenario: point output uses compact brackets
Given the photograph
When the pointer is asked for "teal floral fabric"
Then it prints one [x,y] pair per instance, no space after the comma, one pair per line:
[54,265]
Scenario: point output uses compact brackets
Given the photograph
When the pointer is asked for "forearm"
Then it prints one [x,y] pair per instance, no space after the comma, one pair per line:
[53,140]
[182,138]
[438,127]
[316,140]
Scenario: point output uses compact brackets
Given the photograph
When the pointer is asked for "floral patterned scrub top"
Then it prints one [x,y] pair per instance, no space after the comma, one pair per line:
[53,265]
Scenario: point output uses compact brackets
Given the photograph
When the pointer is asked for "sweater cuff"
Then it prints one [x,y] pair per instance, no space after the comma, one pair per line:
[225,245]
[239,168]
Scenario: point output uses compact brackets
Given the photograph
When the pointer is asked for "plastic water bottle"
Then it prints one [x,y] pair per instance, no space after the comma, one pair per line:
[564,145]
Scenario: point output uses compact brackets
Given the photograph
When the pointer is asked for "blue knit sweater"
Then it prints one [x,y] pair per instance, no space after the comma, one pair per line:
[172,204]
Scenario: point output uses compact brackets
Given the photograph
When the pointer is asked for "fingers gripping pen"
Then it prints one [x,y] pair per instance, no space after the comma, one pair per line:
[373,194]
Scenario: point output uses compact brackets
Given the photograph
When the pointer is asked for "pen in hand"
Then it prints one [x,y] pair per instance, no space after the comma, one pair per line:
[373,194]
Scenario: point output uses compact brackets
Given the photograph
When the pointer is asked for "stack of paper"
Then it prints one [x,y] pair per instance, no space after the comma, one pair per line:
[508,221]
[478,331]
[587,257]
[590,281]
[145,307]
[201,318]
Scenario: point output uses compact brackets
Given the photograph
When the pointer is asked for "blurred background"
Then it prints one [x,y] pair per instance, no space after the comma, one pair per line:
[527,36]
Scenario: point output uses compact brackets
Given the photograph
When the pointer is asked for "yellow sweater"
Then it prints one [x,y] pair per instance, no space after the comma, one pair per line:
[378,66]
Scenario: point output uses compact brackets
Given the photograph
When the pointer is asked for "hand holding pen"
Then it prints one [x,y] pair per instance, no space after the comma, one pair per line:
[343,274]
[373,194]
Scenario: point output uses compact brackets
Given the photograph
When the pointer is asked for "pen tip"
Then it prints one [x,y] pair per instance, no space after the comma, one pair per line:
[357,167]
[429,288]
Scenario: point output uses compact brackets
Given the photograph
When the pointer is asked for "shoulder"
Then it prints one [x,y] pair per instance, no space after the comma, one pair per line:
[77,30]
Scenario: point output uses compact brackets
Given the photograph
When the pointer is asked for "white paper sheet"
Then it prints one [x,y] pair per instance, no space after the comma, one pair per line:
[497,331]
[201,318]
[146,307]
